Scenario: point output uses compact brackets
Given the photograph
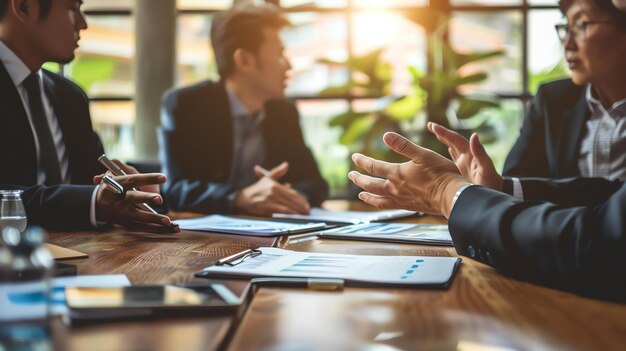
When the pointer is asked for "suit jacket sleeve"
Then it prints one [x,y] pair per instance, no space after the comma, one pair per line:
[580,248]
[303,173]
[528,156]
[183,192]
[577,191]
[60,207]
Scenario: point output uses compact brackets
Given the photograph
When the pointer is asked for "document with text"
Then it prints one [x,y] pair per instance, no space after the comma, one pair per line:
[356,270]
[253,227]
[347,217]
[428,234]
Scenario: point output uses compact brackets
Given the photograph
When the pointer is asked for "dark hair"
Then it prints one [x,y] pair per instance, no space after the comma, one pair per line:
[241,28]
[606,6]
[44,8]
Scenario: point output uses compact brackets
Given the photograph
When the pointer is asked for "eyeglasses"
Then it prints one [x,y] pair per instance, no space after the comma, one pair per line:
[578,30]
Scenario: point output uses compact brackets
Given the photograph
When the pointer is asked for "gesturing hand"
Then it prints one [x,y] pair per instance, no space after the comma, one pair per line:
[121,208]
[268,196]
[426,183]
[470,157]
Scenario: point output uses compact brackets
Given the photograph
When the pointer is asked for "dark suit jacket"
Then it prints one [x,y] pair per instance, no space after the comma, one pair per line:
[196,145]
[550,137]
[62,206]
[578,244]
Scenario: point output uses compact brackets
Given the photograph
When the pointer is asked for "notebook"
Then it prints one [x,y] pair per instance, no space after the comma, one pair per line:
[356,270]
[253,227]
[428,234]
[347,217]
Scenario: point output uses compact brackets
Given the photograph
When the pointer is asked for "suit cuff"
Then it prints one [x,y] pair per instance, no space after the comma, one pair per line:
[92,209]
[458,193]
[518,192]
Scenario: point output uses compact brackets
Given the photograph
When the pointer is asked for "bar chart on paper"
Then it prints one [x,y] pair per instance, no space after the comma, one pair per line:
[360,270]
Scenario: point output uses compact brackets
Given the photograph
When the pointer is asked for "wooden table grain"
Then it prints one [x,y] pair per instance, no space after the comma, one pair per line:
[482,309]
[151,259]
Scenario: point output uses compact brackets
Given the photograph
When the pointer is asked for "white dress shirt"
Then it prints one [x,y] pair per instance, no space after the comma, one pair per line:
[603,147]
[249,143]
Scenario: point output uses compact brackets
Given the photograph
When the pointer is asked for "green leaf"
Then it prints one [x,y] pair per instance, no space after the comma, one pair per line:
[472,78]
[457,60]
[345,119]
[337,90]
[356,130]
[469,107]
[405,108]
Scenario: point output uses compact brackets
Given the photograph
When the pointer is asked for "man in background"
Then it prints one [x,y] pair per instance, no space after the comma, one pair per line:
[47,146]
[236,145]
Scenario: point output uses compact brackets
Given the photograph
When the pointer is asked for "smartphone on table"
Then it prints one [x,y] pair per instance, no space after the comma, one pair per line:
[146,301]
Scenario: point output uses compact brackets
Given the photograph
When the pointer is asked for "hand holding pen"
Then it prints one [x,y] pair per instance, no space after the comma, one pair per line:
[116,202]
[118,168]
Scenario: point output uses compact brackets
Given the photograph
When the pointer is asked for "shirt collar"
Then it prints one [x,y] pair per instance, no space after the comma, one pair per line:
[239,110]
[18,71]
[618,109]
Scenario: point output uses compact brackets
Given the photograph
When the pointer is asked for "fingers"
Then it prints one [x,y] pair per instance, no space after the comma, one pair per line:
[291,198]
[479,153]
[260,172]
[279,171]
[374,167]
[275,173]
[453,154]
[126,168]
[98,179]
[369,184]
[136,180]
[402,145]
[450,138]
[140,216]
[138,197]
[378,201]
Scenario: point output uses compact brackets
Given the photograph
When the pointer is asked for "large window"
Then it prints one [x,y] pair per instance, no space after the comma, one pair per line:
[331,30]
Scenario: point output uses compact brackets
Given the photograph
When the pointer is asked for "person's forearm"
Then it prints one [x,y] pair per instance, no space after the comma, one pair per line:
[447,196]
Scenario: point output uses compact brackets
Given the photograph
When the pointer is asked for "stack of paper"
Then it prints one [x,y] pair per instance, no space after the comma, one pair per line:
[429,234]
[347,217]
[232,225]
[356,270]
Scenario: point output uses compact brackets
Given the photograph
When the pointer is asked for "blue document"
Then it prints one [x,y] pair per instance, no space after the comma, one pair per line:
[356,270]
[428,234]
[253,227]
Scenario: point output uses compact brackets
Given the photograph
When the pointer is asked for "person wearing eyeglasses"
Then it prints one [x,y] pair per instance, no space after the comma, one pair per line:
[577,127]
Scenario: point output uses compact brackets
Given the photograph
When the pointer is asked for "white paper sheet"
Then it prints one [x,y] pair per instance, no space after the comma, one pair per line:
[233,225]
[349,217]
[396,270]
[394,232]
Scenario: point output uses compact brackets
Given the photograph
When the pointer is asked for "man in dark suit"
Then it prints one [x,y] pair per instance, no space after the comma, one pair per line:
[48,147]
[569,234]
[575,127]
[215,135]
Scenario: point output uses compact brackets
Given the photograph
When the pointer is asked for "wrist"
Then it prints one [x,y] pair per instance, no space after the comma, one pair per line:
[448,193]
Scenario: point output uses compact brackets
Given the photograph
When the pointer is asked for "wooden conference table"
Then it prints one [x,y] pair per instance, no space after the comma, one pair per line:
[481,310]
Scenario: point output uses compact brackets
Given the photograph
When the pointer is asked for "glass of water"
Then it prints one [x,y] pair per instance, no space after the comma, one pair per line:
[12,212]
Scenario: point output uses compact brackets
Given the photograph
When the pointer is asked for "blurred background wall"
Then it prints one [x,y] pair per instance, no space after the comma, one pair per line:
[338,49]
